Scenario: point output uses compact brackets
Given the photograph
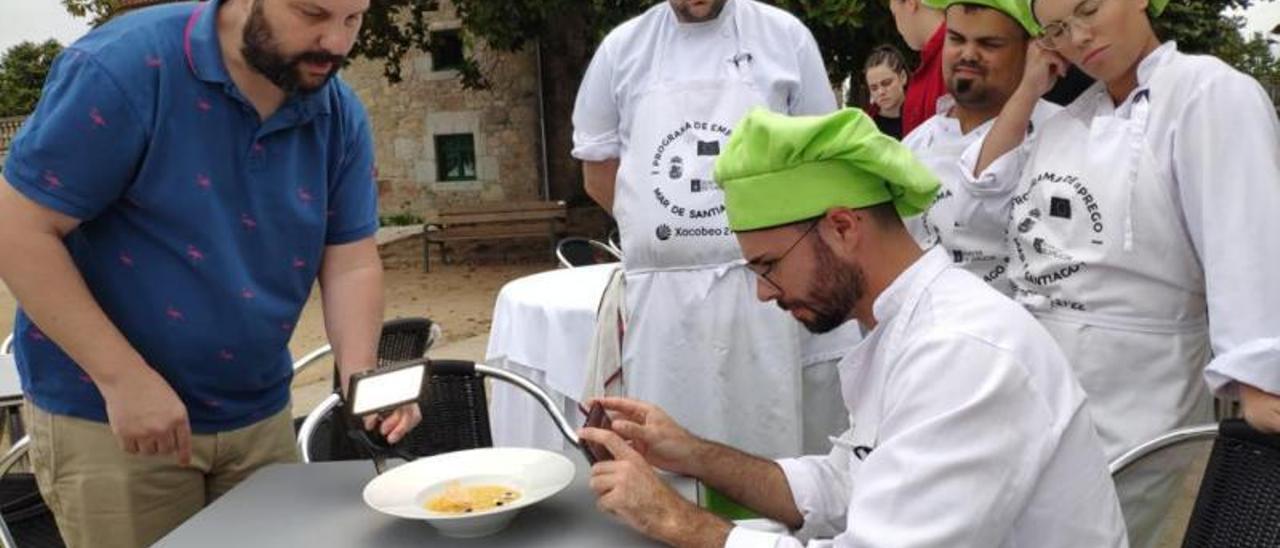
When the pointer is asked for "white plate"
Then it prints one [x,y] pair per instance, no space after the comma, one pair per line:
[403,491]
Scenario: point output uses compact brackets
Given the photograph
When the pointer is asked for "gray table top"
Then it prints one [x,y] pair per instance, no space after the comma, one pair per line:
[319,505]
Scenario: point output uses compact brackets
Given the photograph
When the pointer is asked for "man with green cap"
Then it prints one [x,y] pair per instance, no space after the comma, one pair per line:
[968,428]
[982,61]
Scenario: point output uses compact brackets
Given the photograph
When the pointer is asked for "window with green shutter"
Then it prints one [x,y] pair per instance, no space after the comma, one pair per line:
[455,157]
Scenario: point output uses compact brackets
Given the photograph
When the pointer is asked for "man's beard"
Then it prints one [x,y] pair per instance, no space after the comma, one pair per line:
[836,289]
[263,54]
[967,92]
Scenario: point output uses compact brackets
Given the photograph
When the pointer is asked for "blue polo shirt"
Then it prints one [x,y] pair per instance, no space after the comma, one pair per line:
[203,226]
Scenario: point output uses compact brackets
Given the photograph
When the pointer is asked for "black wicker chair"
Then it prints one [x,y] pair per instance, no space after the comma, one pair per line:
[401,340]
[454,417]
[1239,500]
[27,521]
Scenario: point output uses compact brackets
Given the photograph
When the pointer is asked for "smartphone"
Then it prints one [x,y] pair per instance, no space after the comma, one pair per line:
[597,418]
[384,389]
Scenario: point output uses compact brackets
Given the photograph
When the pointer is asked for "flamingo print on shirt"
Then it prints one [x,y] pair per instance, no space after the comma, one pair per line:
[153,61]
[126,259]
[305,195]
[247,294]
[174,314]
[226,355]
[51,180]
[248,222]
[299,264]
[203,181]
[96,117]
[194,253]
[36,334]
[203,105]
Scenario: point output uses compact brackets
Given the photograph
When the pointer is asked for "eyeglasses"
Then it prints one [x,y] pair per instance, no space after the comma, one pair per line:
[762,269]
[1057,34]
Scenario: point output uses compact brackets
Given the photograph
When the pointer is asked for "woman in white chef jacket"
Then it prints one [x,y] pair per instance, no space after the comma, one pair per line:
[1142,221]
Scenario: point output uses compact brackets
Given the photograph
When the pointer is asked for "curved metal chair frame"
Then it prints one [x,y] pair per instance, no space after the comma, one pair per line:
[1171,439]
[601,246]
[6,347]
[614,240]
[307,431]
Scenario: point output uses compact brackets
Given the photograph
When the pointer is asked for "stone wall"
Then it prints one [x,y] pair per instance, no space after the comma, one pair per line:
[8,129]
[406,116]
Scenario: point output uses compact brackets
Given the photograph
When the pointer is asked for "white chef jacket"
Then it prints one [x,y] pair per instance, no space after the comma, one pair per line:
[1214,133]
[969,431]
[788,66]
[938,143]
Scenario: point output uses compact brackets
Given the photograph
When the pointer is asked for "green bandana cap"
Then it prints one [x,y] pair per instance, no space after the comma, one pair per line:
[779,169]
[1018,10]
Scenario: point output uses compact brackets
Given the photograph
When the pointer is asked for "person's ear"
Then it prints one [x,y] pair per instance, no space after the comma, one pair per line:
[841,228]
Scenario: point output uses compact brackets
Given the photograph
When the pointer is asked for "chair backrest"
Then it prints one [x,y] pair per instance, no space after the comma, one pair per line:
[26,520]
[402,339]
[1239,499]
[405,339]
[573,252]
[454,417]
[6,347]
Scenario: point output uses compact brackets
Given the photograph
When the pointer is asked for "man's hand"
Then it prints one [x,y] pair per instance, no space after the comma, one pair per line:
[628,488]
[395,426]
[146,415]
[653,435]
[1261,409]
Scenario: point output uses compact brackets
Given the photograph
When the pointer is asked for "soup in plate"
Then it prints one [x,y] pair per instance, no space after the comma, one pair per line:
[458,499]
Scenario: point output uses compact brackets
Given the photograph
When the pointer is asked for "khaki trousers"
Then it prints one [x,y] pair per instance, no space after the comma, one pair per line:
[104,497]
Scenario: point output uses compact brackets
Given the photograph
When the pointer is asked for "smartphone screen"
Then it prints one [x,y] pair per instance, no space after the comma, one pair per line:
[382,389]
[597,418]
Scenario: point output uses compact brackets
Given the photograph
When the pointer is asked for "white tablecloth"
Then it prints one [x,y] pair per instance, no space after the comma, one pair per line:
[542,328]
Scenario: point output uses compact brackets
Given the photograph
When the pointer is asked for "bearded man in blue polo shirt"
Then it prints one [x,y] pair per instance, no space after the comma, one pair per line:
[189,173]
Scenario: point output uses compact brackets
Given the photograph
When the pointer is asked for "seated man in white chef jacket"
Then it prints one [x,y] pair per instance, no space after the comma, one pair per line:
[968,427]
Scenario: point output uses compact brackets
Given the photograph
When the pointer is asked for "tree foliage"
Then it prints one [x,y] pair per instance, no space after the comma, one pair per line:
[23,69]
[846,30]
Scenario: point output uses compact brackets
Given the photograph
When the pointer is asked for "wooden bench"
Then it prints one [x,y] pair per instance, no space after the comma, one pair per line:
[523,220]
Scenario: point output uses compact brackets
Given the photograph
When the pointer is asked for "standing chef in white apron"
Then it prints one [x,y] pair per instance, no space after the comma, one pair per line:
[982,61]
[969,430]
[658,102]
[1142,222]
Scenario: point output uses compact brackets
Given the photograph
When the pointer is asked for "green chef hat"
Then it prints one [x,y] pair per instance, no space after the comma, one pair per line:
[780,169]
[1019,10]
